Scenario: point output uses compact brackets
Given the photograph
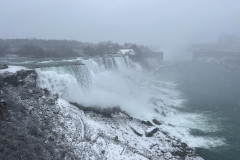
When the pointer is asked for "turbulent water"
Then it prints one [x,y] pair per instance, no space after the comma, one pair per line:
[213,93]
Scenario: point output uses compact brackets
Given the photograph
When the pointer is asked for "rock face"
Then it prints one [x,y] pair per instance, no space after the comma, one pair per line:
[36,124]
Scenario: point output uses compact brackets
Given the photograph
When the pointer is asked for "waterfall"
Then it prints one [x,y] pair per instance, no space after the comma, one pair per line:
[70,80]
[79,72]
[102,82]
[96,65]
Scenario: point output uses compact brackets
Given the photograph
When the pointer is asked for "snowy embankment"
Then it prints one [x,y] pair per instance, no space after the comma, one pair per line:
[12,69]
[119,137]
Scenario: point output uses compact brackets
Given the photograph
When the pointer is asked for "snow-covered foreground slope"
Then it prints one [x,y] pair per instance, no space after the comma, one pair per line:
[120,137]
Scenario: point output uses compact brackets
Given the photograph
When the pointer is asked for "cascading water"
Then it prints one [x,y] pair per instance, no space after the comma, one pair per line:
[73,82]
[117,81]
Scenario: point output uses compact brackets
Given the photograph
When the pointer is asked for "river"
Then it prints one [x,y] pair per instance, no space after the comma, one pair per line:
[212,90]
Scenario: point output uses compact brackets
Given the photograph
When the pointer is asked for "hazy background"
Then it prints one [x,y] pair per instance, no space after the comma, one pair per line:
[166,25]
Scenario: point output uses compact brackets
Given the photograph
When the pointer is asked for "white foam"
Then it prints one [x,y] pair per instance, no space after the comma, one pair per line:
[44,62]
[180,124]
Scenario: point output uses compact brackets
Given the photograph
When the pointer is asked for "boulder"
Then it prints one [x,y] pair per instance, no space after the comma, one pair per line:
[155,121]
[171,125]
[148,123]
[136,132]
[151,131]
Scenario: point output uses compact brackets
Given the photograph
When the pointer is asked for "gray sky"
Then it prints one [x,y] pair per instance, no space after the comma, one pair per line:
[168,24]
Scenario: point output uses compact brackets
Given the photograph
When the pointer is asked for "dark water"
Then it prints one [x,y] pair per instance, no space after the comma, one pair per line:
[213,90]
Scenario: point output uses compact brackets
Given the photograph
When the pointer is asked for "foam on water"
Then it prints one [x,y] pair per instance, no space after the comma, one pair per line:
[117,81]
[167,100]
[179,125]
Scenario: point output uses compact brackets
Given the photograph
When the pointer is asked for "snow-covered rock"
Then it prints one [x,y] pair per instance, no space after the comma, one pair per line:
[126,52]
[12,69]
[150,131]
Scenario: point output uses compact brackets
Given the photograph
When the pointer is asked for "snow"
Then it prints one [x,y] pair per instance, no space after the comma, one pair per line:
[12,69]
[43,62]
[92,135]
[82,133]
[150,129]
[127,51]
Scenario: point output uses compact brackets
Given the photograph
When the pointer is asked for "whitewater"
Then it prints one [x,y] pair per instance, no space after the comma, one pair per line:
[120,82]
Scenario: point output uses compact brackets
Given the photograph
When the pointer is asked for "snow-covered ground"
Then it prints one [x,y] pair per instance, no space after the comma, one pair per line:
[12,69]
[97,137]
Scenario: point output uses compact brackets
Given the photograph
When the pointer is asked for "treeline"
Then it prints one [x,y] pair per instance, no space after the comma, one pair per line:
[38,48]
[67,48]
[144,53]
[55,48]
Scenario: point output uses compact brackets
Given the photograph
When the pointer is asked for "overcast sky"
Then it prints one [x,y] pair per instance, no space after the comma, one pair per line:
[168,24]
